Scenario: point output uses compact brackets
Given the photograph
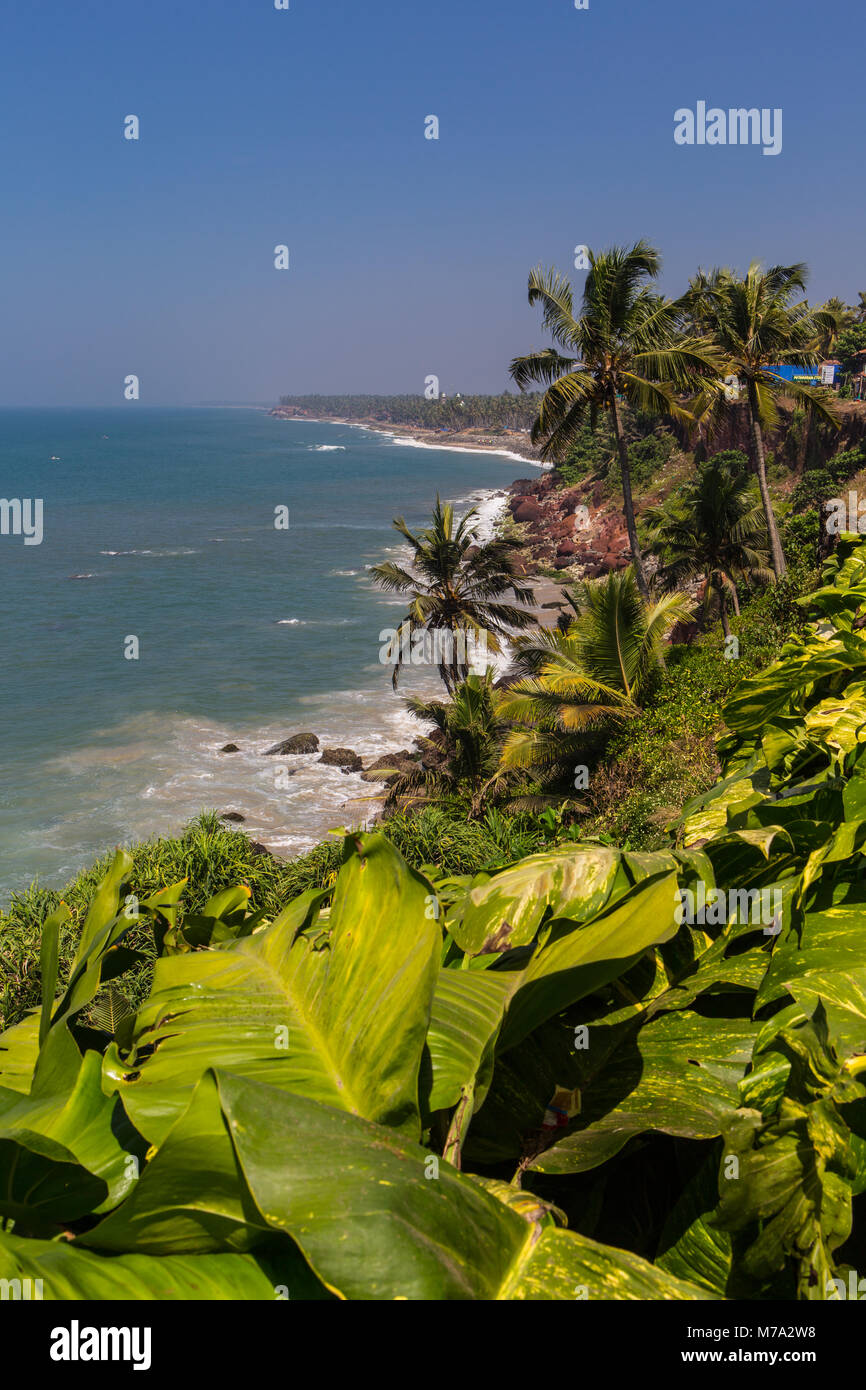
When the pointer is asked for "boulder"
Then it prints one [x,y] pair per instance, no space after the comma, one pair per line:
[344,758]
[528,510]
[399,762]
[232,815]
[566,547]
[298,743]
[230,748]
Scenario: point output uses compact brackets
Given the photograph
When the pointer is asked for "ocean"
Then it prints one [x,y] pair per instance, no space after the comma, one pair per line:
[158,526]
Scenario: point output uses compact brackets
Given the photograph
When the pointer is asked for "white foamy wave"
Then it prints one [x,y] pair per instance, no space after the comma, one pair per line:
[342,574]
[327,448]
[317,622]
[411,443]
[181,550]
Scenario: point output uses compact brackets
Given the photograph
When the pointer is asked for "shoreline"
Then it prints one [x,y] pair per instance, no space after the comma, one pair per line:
[465,442]
[166,771]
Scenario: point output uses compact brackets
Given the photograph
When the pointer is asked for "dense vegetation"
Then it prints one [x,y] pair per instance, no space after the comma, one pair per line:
[582,1016]
[596,1073]
[457,412]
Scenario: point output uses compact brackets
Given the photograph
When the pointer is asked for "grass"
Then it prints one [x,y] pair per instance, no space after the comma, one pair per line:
[211,857]
[667,755]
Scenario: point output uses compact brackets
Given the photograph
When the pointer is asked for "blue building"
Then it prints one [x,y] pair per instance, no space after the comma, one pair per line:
[822,374]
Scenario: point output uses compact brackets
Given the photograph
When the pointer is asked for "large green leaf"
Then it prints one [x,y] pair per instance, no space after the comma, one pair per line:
[507,910]
[191,1197]
[67,1273]
[19,1051]
[693,1246]
[822,962]
[479,1014]
[787,1173]
[576,960]
[419,1229]
[468,1008]
[61,1155]
[343,1021]
[678,1075]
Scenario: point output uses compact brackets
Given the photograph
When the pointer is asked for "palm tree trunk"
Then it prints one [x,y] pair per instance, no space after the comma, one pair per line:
[807,438]
[777,554]
[723,610]
[628,503]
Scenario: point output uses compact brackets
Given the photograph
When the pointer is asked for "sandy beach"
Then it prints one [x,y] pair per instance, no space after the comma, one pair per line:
[514,444]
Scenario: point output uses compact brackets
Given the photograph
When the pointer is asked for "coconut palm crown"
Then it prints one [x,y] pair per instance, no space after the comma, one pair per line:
[756,324]
[580,681]
[713,527]
[624,346]
[457,586]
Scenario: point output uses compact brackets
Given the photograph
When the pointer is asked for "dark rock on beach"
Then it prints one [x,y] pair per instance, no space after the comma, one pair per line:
[344,758]
[230,748]
[232,815]
[298,743]
[404,761]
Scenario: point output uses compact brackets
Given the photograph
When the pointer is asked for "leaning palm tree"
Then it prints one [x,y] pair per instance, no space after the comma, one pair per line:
[457,585]
[715,527]
[576,683]
[624,346]
[756,325]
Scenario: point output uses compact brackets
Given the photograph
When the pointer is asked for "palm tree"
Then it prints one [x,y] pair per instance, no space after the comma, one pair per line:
[576,682]
[756,325]
[624,346]
[466,741]
[715,528]
[456,586]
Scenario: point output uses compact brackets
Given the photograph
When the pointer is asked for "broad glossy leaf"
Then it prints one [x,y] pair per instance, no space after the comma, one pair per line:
[191,1197]
[70,1274]
[678,1074]
[507,910]
[19,1050]
[822,962]
[345,1024]
[319,1173]
[80,1126]
[792,1191]
[693,1246]
[576,960]
[468,1007]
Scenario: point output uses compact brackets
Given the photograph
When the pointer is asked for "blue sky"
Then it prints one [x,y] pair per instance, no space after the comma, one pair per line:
[408,256]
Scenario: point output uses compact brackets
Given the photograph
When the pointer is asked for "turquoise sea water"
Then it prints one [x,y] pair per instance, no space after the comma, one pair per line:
[160,525]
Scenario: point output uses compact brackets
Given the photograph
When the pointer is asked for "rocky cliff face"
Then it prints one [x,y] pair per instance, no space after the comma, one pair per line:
[581,530]
[575,526]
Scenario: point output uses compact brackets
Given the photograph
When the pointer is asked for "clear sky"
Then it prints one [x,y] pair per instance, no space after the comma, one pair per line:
[409,256]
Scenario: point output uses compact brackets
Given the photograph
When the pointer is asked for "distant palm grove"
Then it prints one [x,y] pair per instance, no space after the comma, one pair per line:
[508,411]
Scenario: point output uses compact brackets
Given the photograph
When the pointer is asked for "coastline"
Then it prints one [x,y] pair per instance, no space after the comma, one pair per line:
[124,776]
[368,737]
[474,441]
